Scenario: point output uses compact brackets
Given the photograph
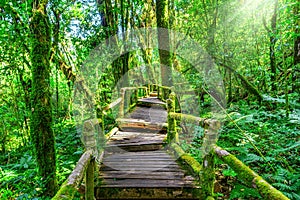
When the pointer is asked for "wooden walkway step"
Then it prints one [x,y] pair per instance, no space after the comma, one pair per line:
[151,100]
[136,165]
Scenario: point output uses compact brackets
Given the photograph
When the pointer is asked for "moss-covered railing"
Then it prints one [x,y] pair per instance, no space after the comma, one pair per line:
[163,92]
[129,98]
[206,170]
[251,178]
[86,168]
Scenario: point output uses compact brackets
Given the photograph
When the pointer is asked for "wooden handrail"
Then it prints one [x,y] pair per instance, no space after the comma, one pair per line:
[207,178]
[113,104]
[84,168]
[251,178]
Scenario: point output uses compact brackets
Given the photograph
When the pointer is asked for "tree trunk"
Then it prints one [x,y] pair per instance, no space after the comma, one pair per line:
[163,42]
[296,47]
[41,118]
[273,40]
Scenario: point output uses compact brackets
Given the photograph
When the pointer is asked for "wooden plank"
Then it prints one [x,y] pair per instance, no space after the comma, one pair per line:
[134,148]
[146,183]
[140,193]
[140,159]
[111,133]
[142,169]
[142,176]
[152,100]
[133,143]
[154,173]
[138,123]
[125,133]
[141,164]
[141,153]
[131,138]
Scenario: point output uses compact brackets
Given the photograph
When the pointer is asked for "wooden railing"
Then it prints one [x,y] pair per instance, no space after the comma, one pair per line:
[85,168]
[206,170]
[129,98]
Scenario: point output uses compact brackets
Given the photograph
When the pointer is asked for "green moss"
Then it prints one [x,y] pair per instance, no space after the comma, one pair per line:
[266,190]
[192,162]
[188,118]
[245,173]
[207,175]
[185,158]
[249,176]
[178,150]
[42,134]
[65,192]
[172,127]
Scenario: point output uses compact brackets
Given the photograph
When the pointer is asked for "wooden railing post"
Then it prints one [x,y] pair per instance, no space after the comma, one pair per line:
[158,92]
[207,175]
[69,187]
[121,109]
[136,95]
[89,180]
[172,135]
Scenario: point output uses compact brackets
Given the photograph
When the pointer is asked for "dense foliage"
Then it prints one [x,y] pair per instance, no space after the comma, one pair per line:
[255,44]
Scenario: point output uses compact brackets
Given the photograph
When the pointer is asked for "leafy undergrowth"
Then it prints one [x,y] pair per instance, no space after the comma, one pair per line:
[18,172]
[274,135]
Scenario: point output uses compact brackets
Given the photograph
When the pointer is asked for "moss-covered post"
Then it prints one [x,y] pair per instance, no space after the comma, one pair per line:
[41,118]
[158,92]
[151,86]
[172,129]
[207,175]
[136,94]
[89,180]
[88,135]
[121,109]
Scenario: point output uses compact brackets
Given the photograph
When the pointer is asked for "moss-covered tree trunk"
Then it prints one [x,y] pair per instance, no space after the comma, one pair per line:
[162,19]
[295,83]
[272,38]
[41,118]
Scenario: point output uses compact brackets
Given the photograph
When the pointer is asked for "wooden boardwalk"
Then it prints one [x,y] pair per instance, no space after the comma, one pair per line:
[137,166]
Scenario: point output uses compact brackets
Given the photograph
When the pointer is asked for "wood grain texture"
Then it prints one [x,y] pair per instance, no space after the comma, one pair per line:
[136,165]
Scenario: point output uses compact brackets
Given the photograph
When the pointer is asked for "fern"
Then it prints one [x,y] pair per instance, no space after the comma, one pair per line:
[252,158]
[287,182]
[242,192]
